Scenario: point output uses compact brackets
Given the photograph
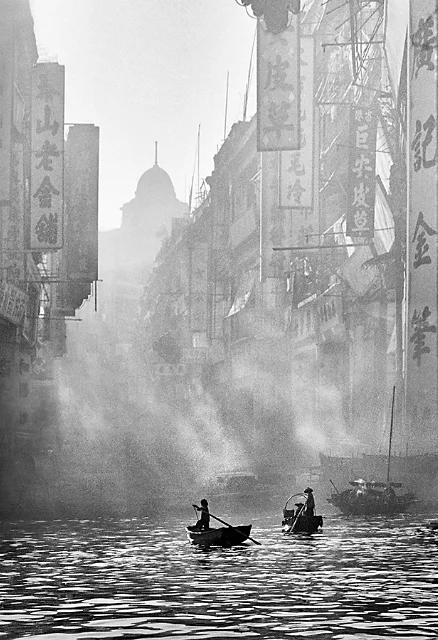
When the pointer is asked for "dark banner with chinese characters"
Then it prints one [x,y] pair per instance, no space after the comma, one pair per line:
[361,188]
[81,199]
[421,363]
[278,88]
[47,169]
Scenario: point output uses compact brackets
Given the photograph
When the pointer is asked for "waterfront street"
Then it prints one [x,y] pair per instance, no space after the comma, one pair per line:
[134,578]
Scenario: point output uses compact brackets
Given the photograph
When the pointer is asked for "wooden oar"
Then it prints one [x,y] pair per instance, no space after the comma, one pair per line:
[297,516]
[227,524]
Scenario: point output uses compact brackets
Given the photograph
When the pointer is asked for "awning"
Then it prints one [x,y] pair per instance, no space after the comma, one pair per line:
[383,221]
[243,293]
[396,25]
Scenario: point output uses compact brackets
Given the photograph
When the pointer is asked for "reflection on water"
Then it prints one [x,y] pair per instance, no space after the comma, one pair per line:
[134,579]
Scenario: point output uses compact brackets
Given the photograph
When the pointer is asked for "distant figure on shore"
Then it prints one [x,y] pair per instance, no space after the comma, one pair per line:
[309,509]
[204,521]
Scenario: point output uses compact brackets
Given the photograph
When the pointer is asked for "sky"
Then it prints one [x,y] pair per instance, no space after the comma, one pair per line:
[146,71]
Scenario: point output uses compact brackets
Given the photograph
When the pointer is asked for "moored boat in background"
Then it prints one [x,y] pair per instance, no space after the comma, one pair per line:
[371,498]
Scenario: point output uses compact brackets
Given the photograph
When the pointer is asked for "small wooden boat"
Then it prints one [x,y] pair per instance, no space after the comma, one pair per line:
[295,521]
[221,537]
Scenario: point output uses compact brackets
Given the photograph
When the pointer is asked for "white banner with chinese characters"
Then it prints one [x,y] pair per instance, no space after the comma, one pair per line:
[274,222]
[278,90]
[296,167]
[361,172]
[421,363]
[47,168]
[6,74]
[198,286]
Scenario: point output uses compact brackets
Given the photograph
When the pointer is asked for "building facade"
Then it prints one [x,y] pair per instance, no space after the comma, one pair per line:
[301,339]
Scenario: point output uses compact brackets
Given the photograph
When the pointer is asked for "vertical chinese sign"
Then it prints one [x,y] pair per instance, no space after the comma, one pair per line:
[6,99]
[198,287]
[421,362]
[298,181]
[278,92]
[81,197]
[296,167]
[361,190]
[47,168]
[6,74]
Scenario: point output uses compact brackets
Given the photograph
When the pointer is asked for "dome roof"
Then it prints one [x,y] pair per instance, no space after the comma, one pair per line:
[155,184]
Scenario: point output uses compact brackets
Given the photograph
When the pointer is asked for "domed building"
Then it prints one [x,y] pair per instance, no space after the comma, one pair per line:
[146,220]
[127,254]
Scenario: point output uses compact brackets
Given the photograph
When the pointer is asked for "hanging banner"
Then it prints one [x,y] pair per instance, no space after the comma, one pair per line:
[24,392]
[278,90]
[13,220]
[81,197]
[361,172]
[421,363]
[6,76]
[47,165]
[13,302]
[198,287]
[296,167]
[273,220]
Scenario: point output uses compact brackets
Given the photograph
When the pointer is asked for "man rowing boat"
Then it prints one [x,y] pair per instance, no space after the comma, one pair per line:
[204,521]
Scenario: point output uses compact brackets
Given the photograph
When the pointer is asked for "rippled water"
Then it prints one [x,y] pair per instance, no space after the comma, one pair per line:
[136,579]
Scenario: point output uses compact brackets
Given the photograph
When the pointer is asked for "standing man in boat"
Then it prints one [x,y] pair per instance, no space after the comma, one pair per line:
[309,508]
[204,521]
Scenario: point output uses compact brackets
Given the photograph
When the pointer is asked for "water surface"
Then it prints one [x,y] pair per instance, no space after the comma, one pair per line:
[136,578]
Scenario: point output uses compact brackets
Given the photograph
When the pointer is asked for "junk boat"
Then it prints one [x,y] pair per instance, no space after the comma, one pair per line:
[371,498]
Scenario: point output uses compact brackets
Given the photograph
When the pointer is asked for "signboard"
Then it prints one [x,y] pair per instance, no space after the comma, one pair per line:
[81,195]
[361,172]
[164,370]
[273,220]
[6,75]
[13,302]
[24,391]
[421,363]
[278,90]
[198,286]
[47,163]
[296,167]
[13,219]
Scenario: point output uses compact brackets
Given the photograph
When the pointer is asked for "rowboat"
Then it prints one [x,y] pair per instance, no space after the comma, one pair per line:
[295,521]
[221,537]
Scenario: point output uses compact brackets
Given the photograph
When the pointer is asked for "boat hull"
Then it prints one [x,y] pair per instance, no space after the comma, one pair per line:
[221,537]
[349,504]
[304,524]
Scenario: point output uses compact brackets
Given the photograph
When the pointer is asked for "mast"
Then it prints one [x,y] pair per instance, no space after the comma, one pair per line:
[390,434]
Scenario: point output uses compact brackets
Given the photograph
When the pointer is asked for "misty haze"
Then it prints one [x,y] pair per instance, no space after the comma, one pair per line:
[218,334]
